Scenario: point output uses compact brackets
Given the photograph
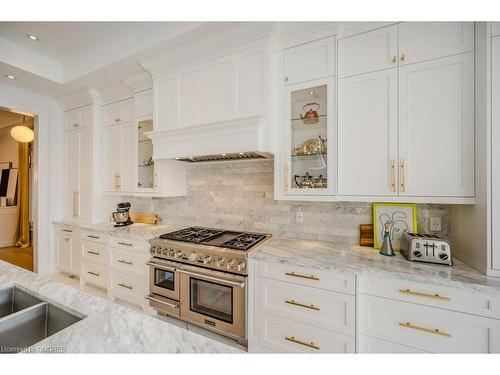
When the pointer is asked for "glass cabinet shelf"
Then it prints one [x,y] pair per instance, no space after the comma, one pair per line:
[146,170]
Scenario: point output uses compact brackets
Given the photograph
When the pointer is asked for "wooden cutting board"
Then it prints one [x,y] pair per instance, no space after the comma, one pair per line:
[366,235]
[139,217]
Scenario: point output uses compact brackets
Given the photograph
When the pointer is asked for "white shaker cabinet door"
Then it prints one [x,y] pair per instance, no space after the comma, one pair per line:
[309,61]
[367,134]
[495,151]
[63,252]
[111,157]
[436,127]
[71,173]
[85,151]
[368,52]
[128,179]
[420,41]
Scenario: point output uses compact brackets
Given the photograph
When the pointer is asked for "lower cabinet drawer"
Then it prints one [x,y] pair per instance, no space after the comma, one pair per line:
[427,328]
[318,307]
[94,252]
[371,345]
[288,336]
[123,283]
[128,261]
[94,273]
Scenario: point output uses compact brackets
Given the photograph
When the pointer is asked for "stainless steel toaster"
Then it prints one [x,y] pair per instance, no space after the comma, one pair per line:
[426,248]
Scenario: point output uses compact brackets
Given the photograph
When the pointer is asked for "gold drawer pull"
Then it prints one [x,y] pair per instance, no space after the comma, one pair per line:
[93,273]
[93,252]
[91,236]
[125,261]
[67,230]
[420,294]
[428,330]
[125,286]
[308,344]
[124,243]
[310,277]
[292,302]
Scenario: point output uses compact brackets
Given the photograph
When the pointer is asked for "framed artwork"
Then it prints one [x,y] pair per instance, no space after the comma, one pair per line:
[398,216]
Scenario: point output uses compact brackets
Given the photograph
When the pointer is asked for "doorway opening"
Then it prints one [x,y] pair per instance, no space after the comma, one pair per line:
[17,193]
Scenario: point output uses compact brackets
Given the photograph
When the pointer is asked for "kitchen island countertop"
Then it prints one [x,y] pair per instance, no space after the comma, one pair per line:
[367,261]
[107,327]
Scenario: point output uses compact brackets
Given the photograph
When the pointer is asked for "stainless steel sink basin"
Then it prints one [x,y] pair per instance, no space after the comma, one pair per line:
[26,320]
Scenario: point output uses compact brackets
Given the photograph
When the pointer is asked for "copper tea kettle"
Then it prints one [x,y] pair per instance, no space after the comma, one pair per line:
[310,115]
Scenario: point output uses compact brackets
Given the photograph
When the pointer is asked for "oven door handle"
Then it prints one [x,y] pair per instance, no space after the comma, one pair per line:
[238,284]
[173,305]
[162,266]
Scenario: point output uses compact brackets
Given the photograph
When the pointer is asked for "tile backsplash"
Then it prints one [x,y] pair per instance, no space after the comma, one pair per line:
[239,195]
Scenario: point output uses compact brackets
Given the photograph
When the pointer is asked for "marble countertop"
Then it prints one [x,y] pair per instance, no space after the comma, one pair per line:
[137,231]
[108,327]
[367,261]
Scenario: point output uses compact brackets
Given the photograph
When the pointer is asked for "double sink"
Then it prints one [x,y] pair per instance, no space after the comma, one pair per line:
[26,319]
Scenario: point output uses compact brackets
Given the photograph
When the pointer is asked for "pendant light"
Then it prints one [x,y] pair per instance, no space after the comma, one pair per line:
[22,133]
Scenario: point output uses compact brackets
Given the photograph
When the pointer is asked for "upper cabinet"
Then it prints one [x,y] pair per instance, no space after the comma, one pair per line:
[309,61]
[367,52]
[221,90]
[144,103]
[495,28]
[79,118]
[118,113]
[420,41]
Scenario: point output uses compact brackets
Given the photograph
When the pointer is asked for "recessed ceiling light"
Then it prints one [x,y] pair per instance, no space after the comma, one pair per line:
[9,76]
[32,37]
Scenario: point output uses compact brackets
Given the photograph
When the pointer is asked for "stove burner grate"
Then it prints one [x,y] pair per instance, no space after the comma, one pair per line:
[244,241]
[192,234]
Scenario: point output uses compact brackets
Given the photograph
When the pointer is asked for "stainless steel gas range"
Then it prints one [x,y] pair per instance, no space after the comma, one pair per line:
[199,275]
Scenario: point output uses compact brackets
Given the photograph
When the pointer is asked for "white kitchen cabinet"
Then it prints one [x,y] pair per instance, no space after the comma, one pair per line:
[118,113]
[144,103]
[368,134]
[128,180]
[111,158]
[420,41]
[309,139]
[67,253]
[371,345]
[309,61]
[495,28]
[223,89]
[367,52]
[436,127]
[495,151]
[78,167]
[78,118]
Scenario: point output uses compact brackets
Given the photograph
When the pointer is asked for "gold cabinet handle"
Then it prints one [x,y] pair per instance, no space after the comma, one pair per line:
[117,119]
[404,183]
[426,295]
[393,176]
[154,180]
[300,342]
[116,181]
[286,78]
[394,59]
[95,237]
[125,261]
[293,302]
[93,252]
[403,57]
[75,203]
[124,243]
[309,277]
[422,329]
[67,230]
[66,239]
[285,183]
[123,285]
[93,273]
[119,181]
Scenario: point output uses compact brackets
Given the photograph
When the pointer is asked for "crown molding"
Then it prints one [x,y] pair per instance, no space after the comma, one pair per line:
[139,82]
[79,98]
[115,94]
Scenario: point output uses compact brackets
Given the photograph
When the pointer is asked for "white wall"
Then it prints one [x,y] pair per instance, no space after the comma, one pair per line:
[48,166]
[9,147]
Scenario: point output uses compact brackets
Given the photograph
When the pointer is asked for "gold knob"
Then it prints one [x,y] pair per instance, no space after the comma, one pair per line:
[286,78]
[394,59]
[403,57]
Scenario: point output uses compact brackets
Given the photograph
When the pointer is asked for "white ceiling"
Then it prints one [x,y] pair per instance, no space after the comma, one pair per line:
[72,55]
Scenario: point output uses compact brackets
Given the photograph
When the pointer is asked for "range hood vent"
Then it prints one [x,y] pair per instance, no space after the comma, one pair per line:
[226,157]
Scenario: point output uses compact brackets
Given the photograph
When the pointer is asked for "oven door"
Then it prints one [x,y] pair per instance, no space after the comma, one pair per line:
[213,300]
[164,279]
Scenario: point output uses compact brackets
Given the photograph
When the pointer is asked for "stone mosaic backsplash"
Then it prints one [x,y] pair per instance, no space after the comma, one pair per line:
[239,195]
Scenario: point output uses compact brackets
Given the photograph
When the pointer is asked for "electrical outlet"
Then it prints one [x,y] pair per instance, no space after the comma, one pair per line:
[299,216]
[435,224]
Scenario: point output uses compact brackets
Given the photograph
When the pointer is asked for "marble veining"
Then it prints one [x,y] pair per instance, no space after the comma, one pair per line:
[367,261]
[108,327]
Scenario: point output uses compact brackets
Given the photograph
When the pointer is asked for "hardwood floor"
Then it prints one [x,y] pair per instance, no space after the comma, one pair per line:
[18,256]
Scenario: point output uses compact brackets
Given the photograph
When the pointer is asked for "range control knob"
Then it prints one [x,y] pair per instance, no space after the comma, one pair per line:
[178,254]
[207,259]
[170,252]
[241,266]
[443,256]
[220,262]
[417,253]
[230,264]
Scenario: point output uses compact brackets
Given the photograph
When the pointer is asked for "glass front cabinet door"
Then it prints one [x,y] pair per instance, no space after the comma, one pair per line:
[146,171]
[309,143]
